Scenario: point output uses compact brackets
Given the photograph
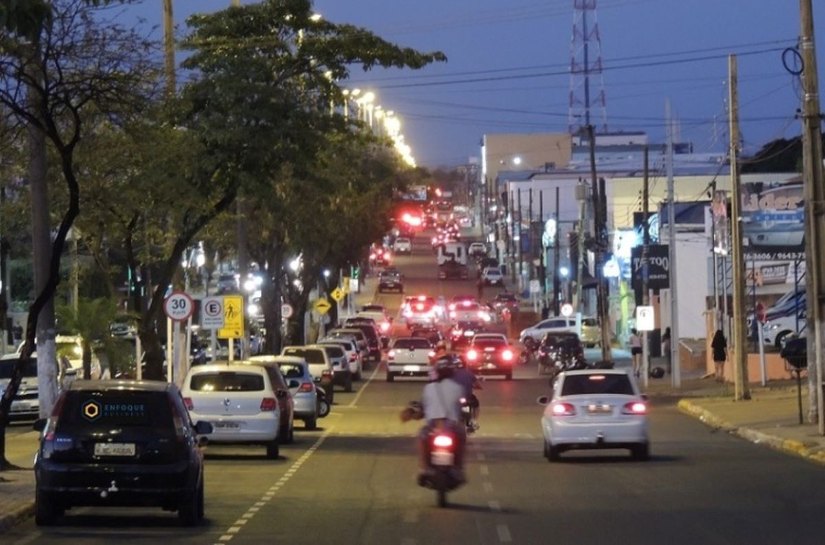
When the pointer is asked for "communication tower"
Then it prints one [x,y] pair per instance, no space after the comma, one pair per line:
[586,106]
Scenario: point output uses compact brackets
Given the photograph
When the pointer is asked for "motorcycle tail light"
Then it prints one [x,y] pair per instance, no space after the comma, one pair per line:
[634,407]
[563,409]
[443,441]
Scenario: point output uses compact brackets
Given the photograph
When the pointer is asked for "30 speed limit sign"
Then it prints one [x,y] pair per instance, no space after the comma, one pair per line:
[178,306]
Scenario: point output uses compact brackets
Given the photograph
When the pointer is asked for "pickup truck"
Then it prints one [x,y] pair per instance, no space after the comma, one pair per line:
[452,269]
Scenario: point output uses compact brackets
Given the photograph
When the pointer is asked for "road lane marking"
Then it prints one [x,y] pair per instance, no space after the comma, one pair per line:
[503,533]
[494,506]
[488,486]
[484,469]
[270,493]
[364,387]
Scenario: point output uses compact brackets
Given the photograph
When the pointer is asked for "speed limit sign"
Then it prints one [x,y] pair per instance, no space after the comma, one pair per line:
[178,306]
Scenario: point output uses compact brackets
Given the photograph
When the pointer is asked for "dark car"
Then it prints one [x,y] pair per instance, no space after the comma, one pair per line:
[367,326]
[390,281]
[561,351]
[490,354]
[432,334]
[506,301]
[119,443]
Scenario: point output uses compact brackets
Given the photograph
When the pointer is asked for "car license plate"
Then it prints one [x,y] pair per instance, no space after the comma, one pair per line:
[441,458]
[412,368]
[226,425]
[114,449]
[595,408]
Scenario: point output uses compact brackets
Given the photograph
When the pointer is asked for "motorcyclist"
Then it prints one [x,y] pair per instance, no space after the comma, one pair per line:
[469,381]
[441,408]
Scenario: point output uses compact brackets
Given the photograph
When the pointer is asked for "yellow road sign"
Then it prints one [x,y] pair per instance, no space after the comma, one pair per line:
[337,294]
[233,315]
[345,284]
[322,306]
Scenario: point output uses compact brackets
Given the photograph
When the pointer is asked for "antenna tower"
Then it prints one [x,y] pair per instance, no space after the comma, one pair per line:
[586,66]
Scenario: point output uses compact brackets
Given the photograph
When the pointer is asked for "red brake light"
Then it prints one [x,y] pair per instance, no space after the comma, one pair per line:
[563,409]
[634,407]
[472,355]
[269,404]
[188,402]
[385,326]
[306,387]
[443,441]
[507,355]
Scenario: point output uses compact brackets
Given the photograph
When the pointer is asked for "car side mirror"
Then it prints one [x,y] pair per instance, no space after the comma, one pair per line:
[39,424]
[294,383]
[203,428]
[543,400]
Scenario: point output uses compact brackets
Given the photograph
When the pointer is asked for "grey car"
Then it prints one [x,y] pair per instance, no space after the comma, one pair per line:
[307,403]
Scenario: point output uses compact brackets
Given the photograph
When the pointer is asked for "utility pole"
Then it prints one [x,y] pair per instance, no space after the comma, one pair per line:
[676,368]
[169,47]
[556,258]
[645,268]
[740,376]
[532,231]
[599,244]
[511,238]
[814,193]
[519,246]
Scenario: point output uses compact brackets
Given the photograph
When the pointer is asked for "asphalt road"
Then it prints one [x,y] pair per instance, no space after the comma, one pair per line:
[352,482]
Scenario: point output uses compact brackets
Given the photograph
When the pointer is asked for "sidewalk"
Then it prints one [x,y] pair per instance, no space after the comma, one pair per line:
[770,417]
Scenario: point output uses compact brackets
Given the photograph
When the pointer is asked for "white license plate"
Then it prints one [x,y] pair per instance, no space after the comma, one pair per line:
[441,458]
[226,425]
[599,409]
[114,449]
[412,368]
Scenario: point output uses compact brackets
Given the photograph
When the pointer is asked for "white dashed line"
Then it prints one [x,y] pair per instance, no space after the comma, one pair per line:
[494,506]
[267,497]
[503,533]
[484,469]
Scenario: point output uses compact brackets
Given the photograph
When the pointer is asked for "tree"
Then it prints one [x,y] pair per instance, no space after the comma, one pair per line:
[58,62]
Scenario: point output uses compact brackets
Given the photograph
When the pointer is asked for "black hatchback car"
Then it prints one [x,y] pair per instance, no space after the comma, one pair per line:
[119,443]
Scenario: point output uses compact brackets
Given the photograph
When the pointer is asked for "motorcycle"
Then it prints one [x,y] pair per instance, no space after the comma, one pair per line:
[442,475]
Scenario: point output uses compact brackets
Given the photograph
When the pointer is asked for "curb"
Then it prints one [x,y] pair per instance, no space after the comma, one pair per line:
[777,443]
[16,516]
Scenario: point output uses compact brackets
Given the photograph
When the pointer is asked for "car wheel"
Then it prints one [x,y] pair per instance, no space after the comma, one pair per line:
[190,507]
[45,510]
[310,423]
[323,408]
[780,338]
[641,452]
[390,376]
[552,452]
[273,449]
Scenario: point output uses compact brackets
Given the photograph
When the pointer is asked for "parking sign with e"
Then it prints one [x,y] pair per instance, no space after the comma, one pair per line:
[212,316]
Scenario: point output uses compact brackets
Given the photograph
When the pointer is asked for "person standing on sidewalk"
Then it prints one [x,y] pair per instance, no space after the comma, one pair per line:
[719,349]
[635,343]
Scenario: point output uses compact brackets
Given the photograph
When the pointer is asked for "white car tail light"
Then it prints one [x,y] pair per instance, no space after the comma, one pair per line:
[563,409]
[634,407]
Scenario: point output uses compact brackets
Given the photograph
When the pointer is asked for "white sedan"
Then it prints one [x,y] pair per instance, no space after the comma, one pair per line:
[595,409]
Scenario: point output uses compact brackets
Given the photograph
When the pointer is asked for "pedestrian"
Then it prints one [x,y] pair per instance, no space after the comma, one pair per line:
[719,350]
[635,343]
[666,346]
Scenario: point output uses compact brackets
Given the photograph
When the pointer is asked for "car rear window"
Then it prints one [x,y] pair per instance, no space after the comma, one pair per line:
[291,370]
[334,351]
[227,381]
[412,342]
[488,341]
[596,384]
[7,367]
[311,355]
[122,408]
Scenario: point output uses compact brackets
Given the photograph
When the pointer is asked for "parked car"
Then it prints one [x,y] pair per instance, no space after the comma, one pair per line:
[477,249]
[239,400]
[320,366]
[374,338]
[402,245]
[340,365]
[490,354]
[350,348]
[26,403]
[409,357]
[306,399]
[380,318]
[353,334]
[492,276]
[285,403]
[595,409]
[119,443]
[533,334]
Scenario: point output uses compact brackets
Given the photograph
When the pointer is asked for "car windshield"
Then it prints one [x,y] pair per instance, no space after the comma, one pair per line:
[227,381]
[7,367]
[411,343]
[597,384]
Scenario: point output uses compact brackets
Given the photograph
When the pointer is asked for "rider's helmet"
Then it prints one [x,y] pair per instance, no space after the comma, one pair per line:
[444,366]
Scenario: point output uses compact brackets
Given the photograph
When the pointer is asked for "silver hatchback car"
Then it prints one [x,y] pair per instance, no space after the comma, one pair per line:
[308,404]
